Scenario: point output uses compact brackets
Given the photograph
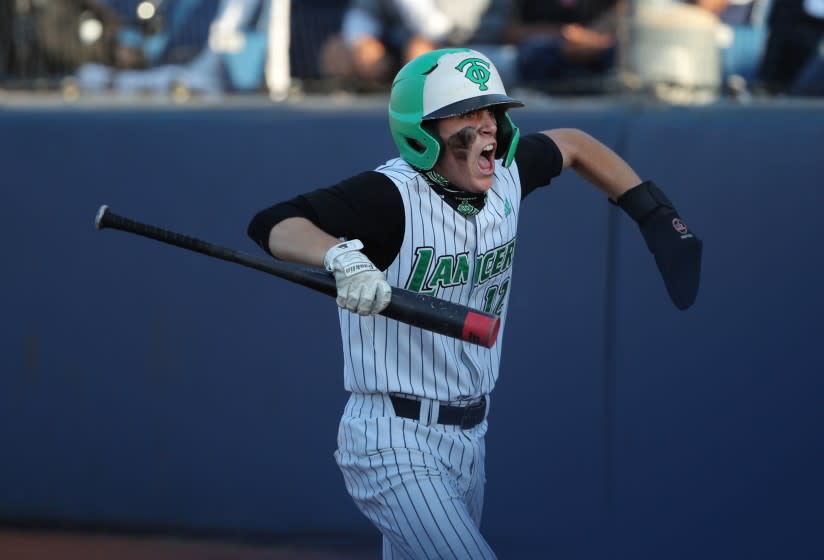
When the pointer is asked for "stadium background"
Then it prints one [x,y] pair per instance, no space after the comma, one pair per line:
[191,405]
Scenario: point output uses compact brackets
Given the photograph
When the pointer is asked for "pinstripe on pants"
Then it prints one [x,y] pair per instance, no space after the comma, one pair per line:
[422,486]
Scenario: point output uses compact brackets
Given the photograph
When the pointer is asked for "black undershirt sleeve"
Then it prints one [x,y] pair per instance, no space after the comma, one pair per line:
[367,206]
[539,161]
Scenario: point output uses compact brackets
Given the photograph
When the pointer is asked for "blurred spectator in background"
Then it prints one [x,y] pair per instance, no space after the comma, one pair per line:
[6,18]
[564,45]
[378,36]
[742,37]
[204,47]
[49,39]
[793,61]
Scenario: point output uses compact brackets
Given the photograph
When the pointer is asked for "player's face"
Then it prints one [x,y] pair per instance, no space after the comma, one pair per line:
[468,157]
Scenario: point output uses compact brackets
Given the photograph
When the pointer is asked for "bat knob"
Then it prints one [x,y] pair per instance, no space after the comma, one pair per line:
[99,218]
[481,328]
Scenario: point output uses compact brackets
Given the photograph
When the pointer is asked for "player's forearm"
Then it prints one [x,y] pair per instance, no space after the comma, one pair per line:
[594,161]
[299,240]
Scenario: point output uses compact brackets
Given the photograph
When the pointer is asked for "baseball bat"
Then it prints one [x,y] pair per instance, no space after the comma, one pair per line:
[419,310]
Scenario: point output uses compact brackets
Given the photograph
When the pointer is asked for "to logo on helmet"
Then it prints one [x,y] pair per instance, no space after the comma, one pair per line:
[477,71]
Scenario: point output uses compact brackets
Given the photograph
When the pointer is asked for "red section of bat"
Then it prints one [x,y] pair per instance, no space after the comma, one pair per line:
[480,329]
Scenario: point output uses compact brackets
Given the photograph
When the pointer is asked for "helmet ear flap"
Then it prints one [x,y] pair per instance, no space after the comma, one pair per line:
[423,149]
[507,137]
[435,143]
[417,143]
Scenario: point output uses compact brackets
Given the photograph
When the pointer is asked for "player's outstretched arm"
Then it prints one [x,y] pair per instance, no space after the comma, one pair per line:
[676,249]
[594,161]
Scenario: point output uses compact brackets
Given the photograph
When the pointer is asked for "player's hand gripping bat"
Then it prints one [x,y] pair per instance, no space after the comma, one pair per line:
[419,310]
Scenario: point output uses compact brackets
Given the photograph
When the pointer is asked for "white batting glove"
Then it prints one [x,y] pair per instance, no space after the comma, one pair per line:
[362,288]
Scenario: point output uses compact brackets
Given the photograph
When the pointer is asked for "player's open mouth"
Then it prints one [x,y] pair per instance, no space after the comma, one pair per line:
[486,159]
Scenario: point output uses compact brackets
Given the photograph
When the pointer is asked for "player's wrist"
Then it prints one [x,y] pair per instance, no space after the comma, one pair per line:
[336,251]
[643,200]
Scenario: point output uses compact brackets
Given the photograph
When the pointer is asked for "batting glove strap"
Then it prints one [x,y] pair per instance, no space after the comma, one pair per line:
[337,250]
[362,287]
[677,250]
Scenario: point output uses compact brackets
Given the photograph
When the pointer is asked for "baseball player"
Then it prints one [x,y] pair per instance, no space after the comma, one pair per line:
[441,219]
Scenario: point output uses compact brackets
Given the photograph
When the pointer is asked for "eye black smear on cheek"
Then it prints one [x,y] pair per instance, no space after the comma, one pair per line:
[461,141]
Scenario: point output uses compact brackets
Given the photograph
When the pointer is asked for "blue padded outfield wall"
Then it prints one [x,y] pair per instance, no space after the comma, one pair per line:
[144,386]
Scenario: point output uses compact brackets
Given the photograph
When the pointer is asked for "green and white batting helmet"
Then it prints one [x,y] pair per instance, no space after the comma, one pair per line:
[444,83]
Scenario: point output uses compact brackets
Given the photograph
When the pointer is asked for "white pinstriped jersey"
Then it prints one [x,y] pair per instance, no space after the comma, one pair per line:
[466,260]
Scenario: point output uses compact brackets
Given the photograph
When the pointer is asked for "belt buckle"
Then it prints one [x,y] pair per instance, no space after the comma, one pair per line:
[473,414]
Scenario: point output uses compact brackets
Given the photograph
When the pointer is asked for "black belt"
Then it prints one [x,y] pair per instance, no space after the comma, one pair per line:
[464,416]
